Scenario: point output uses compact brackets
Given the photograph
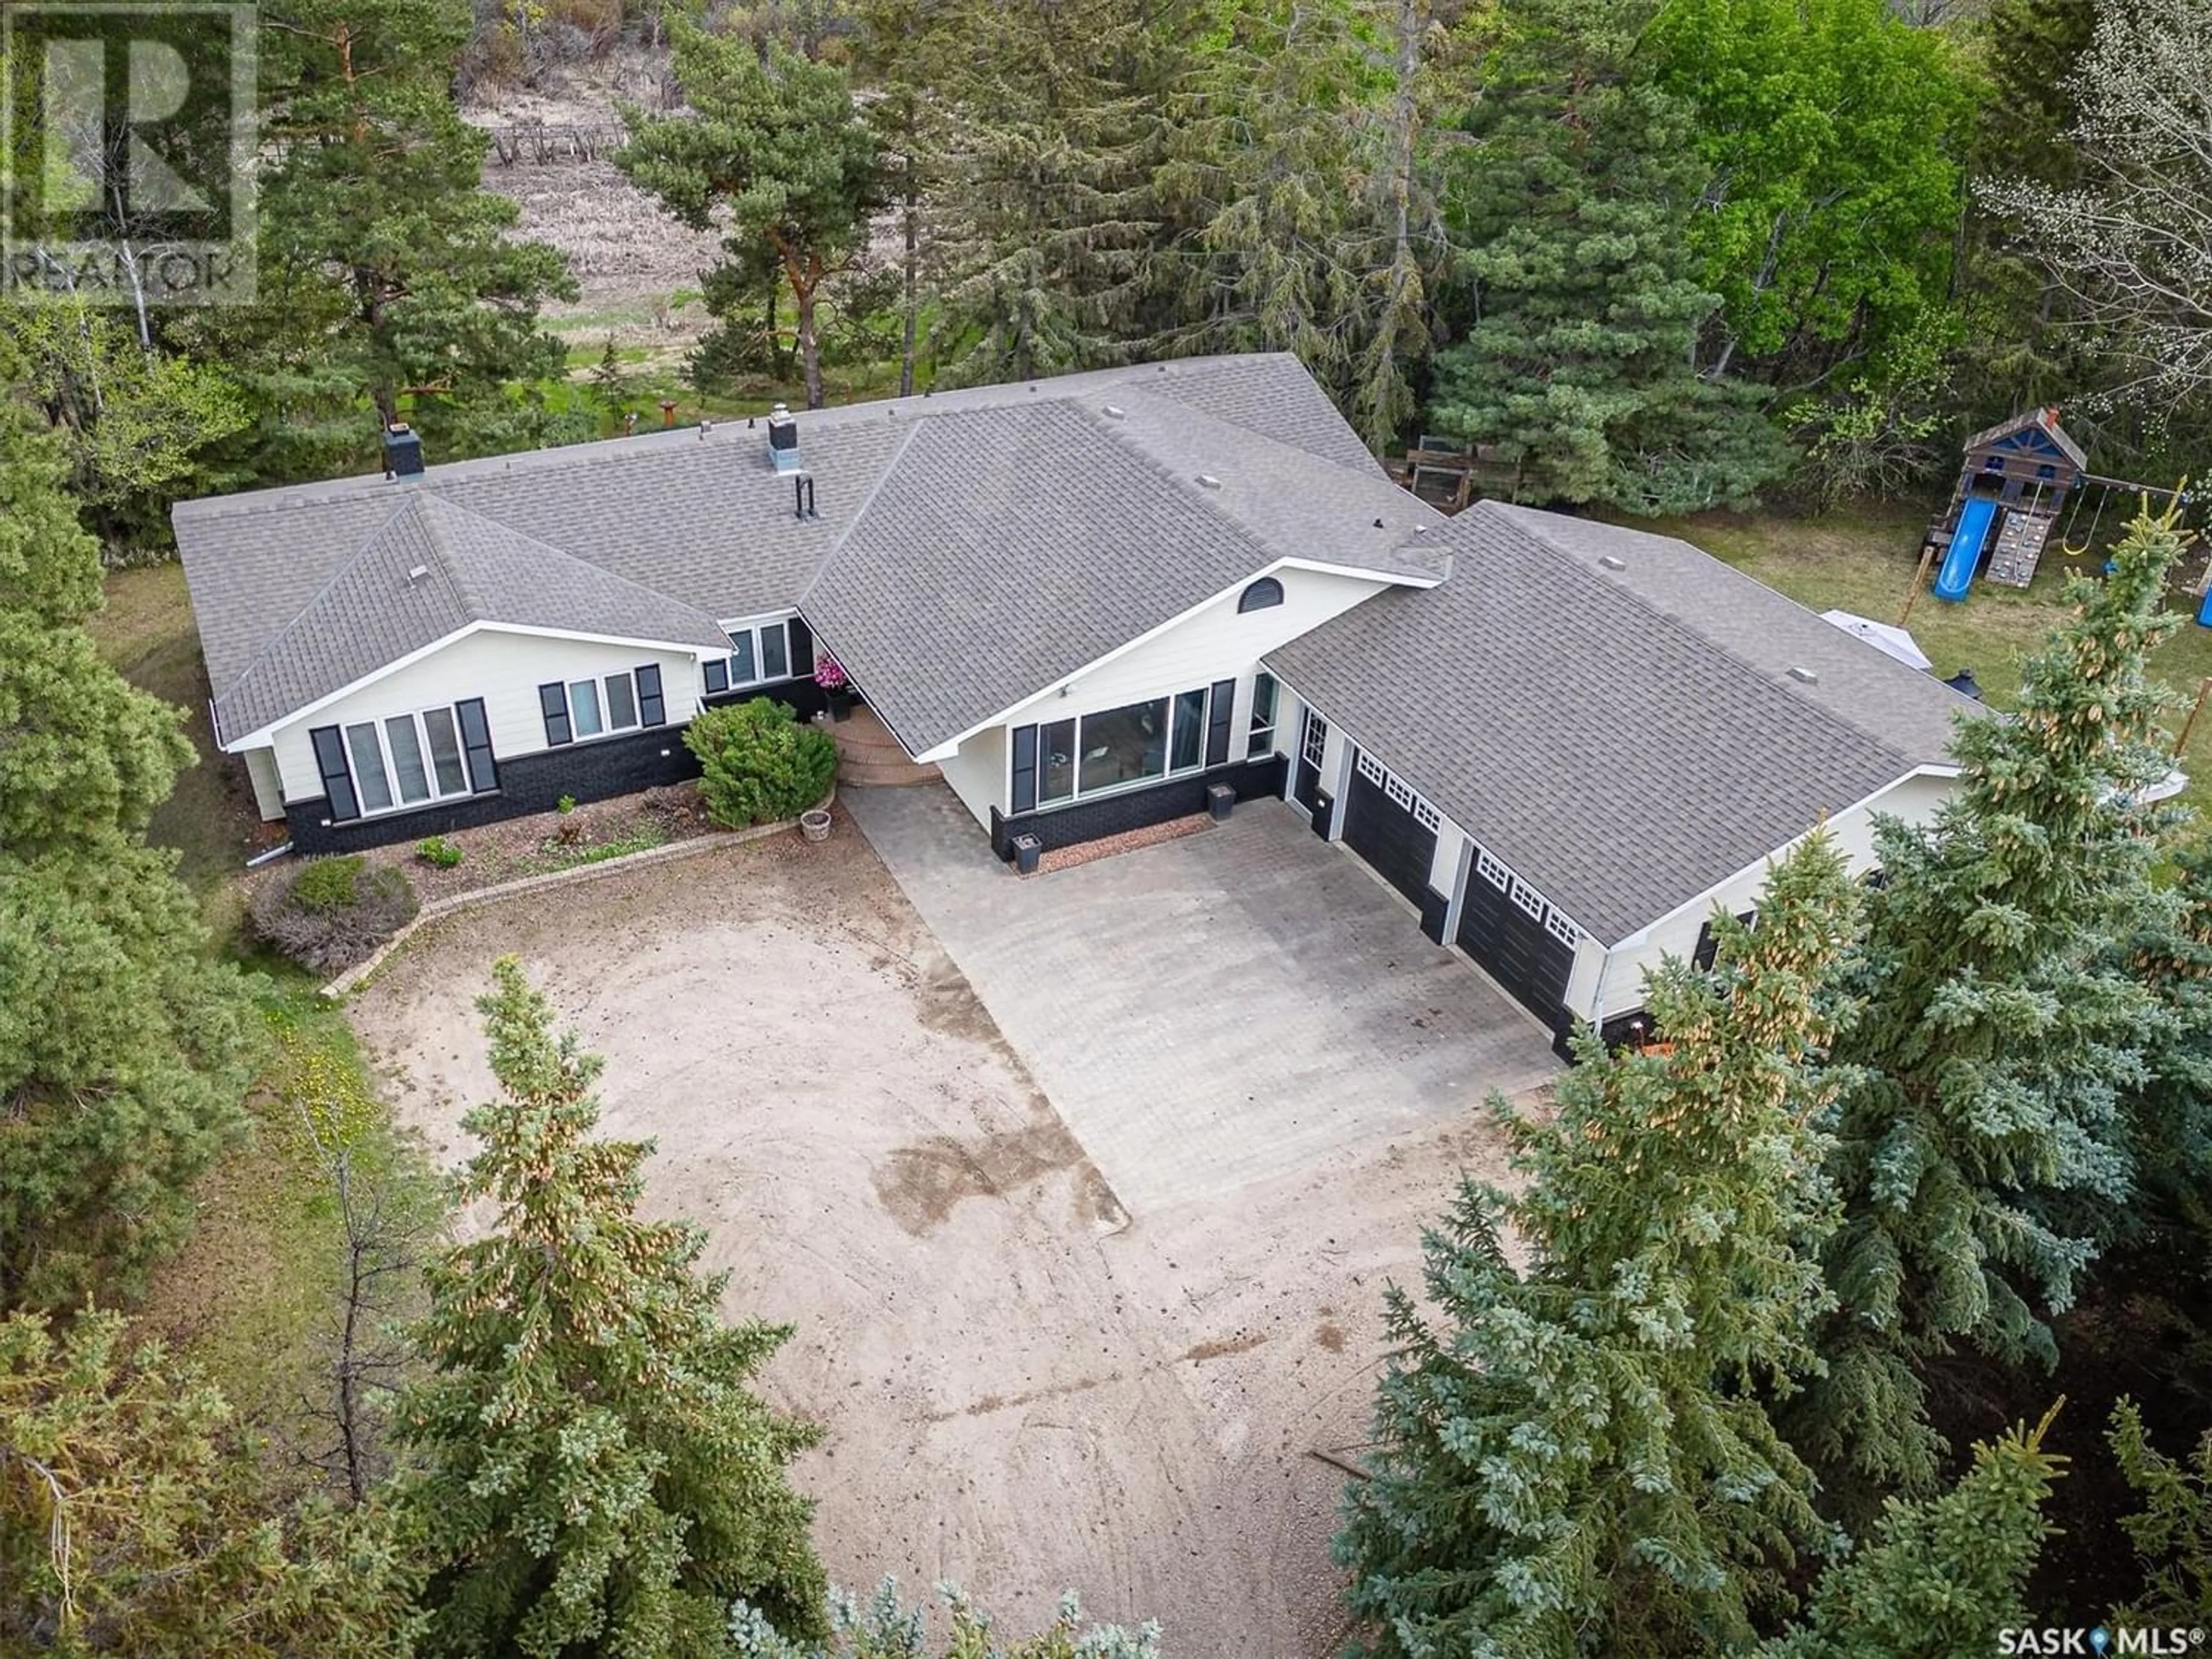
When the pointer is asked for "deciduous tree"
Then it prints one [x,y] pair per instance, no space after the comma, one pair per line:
[595,1471]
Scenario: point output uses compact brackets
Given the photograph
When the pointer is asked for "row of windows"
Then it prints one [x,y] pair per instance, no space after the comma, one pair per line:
[1527,899]
[603,705]
[1399,791]
[759,655]
[404,760]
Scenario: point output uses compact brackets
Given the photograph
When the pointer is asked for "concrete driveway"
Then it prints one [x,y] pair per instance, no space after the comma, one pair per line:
[1213,1011]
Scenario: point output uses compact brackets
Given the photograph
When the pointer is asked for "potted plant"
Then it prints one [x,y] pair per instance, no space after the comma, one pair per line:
[837,685]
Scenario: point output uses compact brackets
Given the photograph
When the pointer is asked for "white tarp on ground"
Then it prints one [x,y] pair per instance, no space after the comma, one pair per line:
[1881,636]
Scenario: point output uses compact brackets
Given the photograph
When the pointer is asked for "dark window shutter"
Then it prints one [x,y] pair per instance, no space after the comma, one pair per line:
[337,777]
[717,675]
[1025,753]
[553,701]
[652,710]
[1216,722]
[475,742]
[802,647]
[1708,949]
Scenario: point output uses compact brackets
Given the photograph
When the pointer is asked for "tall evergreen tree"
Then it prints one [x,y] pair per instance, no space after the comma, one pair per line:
[595,1473]
[2173,1532]
[1576,1457]
[2168,1116]
[121,1044]
[1583,307]
[1050,221]
[388,282]
[774,142]
[1941,1575]
[1980,1135]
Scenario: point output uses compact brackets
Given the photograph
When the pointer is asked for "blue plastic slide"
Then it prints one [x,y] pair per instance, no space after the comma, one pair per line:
[1966,550]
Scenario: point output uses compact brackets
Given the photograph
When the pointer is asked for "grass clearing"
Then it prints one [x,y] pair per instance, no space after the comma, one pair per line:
[1865,561]
[250,1295]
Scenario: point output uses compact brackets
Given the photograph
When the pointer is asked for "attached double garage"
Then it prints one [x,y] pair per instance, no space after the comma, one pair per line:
[1465,893]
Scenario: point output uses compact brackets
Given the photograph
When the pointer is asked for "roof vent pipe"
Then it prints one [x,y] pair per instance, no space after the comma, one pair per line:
[802,497]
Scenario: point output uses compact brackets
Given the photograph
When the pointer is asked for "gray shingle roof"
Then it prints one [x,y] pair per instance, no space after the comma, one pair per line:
[1007,549]
[375,610]
[1624,739]
[700,519]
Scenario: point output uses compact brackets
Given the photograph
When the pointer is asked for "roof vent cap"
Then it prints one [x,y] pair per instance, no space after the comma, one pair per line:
[418,573]
[1612,562]
[1207,481]
[1804,676]
[1114,411]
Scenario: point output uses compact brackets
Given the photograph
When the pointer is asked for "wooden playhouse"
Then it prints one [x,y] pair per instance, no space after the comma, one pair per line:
[2014,481]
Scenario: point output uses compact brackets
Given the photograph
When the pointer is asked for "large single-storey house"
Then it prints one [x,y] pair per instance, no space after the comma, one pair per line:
[1088,601]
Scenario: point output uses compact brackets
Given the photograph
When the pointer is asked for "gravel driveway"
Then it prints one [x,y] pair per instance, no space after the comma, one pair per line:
[1025,1389]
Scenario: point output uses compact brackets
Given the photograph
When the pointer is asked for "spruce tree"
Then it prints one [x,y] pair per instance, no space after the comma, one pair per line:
[595,1473]
[2172,1531]
[1571,199]
[121,1043]
[1980,1140]
[2167,1114]
[1943,1576]
[1575,1457]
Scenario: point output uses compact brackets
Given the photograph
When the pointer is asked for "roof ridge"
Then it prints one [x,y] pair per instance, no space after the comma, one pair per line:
[481,610]
[338,574]
[867,501]
[1117,435]
[1694,637]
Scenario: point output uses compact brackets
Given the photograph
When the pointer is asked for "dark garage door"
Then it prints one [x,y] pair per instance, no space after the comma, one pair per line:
[1519,952]
[1384,823]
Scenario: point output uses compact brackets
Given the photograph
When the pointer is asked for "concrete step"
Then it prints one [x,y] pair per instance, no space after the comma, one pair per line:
[884,774]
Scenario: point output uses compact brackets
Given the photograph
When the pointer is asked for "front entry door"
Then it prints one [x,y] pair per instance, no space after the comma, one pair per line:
[1311,747]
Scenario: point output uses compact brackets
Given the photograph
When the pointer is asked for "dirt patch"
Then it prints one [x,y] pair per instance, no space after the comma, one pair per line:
[1025,1390]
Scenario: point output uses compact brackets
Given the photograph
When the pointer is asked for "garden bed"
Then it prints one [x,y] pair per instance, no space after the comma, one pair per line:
[546,842]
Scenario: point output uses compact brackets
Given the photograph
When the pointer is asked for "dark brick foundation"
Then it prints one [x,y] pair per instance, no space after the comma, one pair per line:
[1136,809]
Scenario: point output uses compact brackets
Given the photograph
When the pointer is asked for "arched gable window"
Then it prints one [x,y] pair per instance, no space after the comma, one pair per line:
[1260,595]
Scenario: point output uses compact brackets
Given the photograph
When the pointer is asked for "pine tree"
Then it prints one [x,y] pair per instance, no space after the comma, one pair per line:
[120,1043]
[1941,1575]
[595,1473]
[775,143]
[2173,1532]
[387,272]
[1572,202]
[2168,1116]
[133,1520]
[1575,1458]
[1050,219]
[1981,1144]
[884,1627]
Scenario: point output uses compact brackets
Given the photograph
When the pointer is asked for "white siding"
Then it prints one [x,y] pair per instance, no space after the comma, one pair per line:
[978,773]
[506,671]
[1914,800]
[268,790]
[1214,642]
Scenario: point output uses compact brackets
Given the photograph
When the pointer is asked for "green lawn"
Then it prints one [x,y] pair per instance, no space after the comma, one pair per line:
[249,1296]
[1866,562]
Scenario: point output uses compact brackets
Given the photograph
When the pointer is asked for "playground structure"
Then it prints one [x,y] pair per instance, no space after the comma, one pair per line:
[2015,482]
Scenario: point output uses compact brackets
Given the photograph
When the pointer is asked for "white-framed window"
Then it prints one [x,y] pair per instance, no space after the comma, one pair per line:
[1561,929]
[1055,761]
[404,760]
[1527,898]
[1261,738]
[1369,767]
[1427,816]
[603,704]
[1491,871]
[1315,744]
[1399,792]
[760,655]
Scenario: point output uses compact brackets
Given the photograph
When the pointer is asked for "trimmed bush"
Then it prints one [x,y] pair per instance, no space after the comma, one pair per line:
[758,763]
[331,913]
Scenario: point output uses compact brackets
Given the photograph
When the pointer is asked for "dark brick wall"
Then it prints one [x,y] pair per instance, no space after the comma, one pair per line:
[527,783]
[803,696]
[1138,809]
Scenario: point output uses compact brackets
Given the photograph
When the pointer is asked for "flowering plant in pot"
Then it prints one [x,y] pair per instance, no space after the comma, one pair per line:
[829,674]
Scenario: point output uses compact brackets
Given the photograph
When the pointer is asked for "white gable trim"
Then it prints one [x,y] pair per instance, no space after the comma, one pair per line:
[951,746]
[1780,852]
[264,733]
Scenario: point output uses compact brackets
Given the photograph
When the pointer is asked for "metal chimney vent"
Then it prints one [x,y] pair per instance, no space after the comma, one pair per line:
[403,452]
[782,439]
[418,573]
[1805,676]
[1610,563]
[1207,481]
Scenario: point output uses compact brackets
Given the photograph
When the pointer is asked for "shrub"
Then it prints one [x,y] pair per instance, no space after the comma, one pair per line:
[331,913]
[438,851]
[566,803]
[758,763]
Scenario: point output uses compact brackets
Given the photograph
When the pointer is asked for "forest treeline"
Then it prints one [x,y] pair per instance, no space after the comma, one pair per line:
[1656,257]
